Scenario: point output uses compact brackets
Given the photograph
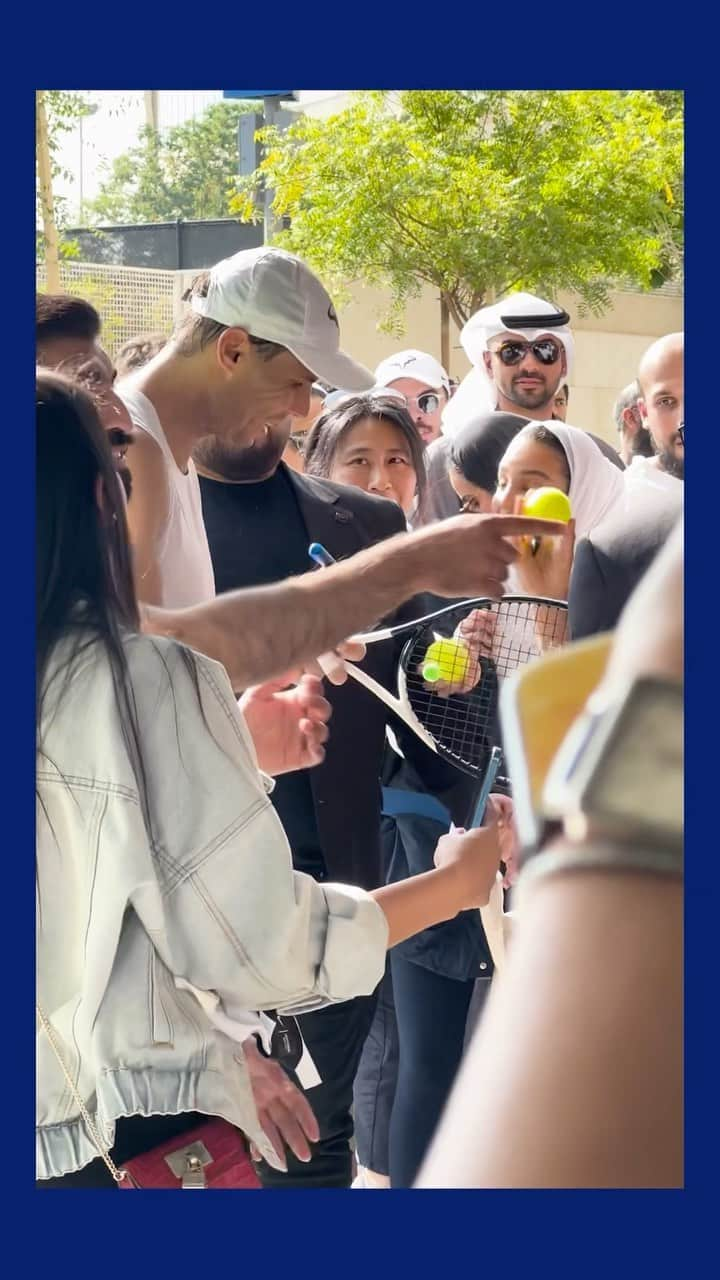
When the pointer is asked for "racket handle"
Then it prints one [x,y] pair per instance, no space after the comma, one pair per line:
[374,686]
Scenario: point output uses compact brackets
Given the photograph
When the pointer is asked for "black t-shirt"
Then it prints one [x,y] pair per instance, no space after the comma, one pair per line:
[257,535]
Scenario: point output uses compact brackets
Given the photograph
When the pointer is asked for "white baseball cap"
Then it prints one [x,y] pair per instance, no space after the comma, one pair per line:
[273,295]
[413,364]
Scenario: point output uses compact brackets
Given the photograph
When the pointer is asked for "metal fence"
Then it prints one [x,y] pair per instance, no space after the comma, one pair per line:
[130,300]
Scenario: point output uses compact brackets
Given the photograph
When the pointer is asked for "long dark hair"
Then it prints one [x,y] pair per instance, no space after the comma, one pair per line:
[84,584]
[477,448]
[327,433]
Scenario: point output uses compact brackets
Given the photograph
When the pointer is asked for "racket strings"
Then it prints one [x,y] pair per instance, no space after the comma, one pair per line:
[468,653]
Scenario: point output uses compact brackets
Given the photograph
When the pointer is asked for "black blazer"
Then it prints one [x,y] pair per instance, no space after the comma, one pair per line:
[346,787]
[609,564]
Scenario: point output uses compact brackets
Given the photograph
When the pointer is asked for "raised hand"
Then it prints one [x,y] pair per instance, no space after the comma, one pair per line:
[288,726]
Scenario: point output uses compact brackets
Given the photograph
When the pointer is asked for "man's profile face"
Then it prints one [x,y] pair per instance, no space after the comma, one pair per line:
[246,395]
[529,384]
[94,371]
[662,410]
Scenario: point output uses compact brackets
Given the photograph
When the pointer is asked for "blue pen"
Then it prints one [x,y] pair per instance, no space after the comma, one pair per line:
[318,553]
[487,786]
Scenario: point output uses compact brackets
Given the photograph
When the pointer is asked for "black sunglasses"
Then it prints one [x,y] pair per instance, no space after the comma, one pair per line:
[545,350]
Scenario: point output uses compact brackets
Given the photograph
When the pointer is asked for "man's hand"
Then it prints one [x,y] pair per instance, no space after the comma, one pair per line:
[544,565]
[332,665]
[288,726]
[286,1117]
[470,555]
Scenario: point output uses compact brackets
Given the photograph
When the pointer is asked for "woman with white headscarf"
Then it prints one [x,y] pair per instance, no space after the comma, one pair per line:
[563,457]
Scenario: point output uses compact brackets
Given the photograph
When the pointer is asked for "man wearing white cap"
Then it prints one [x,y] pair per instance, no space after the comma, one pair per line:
[421,379]
[261,330]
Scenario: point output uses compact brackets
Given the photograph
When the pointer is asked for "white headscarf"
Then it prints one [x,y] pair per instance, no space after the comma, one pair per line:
[595,483]
[477,391]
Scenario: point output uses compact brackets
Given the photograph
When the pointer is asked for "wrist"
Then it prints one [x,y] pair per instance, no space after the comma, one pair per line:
[413,551]
[451,893]
[563,857]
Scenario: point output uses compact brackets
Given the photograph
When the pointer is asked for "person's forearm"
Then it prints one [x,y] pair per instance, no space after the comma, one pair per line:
[261,633]
[418,903]
[574,1078]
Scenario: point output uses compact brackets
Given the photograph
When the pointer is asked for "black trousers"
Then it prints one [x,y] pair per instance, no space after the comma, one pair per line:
[431,1014]
[334,1037]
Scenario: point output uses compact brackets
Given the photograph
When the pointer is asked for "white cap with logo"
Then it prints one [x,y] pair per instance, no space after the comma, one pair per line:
[520,313]
[413,364]
[273,295]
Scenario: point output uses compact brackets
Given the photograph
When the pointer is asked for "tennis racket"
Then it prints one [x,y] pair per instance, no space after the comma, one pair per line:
[472,647]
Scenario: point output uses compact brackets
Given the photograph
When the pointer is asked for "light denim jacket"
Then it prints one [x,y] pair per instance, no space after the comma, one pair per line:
[199,888]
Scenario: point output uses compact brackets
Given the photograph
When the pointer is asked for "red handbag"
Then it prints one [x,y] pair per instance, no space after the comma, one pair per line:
[214,1156]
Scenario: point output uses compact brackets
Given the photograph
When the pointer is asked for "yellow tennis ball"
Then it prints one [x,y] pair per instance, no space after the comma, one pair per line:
[447,659]
[547,504]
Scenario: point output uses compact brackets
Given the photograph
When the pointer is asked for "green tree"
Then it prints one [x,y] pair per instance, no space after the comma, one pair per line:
[479,192]
[56,112]
[188,172]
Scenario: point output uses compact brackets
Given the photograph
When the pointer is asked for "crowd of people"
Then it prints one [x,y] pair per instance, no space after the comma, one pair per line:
[257,896]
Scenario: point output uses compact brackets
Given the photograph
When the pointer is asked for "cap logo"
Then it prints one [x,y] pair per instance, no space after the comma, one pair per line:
[332,315]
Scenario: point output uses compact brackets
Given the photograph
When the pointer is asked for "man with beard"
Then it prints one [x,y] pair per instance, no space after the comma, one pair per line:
[261,329]
[661,403]
[609,564]
[67,339]
[634,437]
[421,379]
[521,350]
[260,518]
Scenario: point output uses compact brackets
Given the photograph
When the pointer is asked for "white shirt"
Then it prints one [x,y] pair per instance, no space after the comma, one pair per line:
[645,473]
[184,559]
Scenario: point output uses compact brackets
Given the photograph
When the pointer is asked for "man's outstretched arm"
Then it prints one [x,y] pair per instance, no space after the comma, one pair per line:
[263,632]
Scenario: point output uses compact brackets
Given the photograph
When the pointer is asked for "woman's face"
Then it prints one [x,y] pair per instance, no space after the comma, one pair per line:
[527,464]
[472,497]
[375,456]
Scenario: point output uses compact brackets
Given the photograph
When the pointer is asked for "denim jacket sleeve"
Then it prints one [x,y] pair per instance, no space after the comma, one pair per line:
[226,911]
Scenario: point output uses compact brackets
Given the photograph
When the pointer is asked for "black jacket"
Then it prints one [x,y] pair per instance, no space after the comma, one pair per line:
[346,787]
[609,564]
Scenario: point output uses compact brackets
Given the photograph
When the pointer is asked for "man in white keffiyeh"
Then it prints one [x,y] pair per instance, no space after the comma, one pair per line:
[521,349]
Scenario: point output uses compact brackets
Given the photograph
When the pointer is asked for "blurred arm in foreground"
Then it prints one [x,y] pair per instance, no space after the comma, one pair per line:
[575,1078]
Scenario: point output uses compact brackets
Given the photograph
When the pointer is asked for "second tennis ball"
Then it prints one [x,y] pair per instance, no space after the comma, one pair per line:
[547,504]
[447,660]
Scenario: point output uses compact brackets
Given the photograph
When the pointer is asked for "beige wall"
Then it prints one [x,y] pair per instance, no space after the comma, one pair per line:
[607,348]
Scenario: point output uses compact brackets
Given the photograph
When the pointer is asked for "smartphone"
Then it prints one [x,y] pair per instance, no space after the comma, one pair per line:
[488,783]
[538,704]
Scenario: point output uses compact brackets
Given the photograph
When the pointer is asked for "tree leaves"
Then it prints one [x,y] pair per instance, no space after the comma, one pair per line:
[188,172]
[472,191]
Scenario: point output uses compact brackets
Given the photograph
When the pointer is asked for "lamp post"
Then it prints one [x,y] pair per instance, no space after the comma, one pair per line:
[90,110]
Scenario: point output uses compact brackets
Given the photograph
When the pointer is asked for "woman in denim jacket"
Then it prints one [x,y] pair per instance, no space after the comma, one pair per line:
[166,901]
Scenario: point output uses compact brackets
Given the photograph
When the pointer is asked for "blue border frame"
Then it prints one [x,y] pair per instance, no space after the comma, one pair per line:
[563,1233]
